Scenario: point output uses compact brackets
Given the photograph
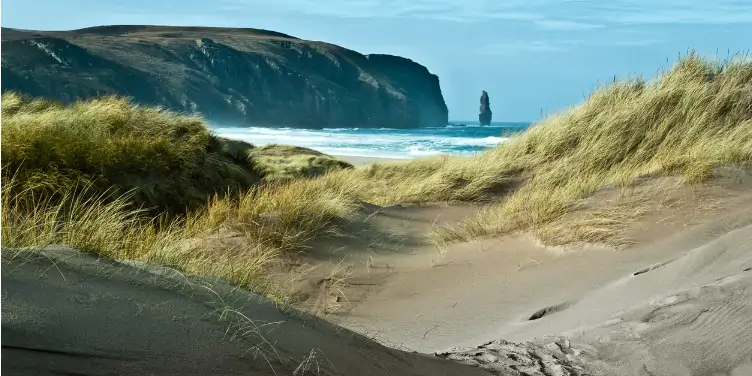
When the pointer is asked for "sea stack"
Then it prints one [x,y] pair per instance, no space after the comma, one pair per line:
[485,109]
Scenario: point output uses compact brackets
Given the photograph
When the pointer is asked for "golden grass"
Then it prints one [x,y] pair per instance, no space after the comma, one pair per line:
[434,179]
[696,116]
[111,228]
[287,215]
[170,162]
[232,238]
[605,222]
[283,162]
[97,175]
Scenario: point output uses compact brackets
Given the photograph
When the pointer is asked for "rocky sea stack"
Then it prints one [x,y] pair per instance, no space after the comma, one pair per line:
[485,109]
[233,77]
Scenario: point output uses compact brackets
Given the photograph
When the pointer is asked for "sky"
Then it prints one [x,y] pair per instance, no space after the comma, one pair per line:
[532,56]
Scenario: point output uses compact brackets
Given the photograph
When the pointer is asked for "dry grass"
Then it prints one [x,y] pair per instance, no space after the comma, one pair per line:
[434,179]
[238,239]
[696,116]
[82,174]
[170,162]
[286,215]
[81,220]
[284,163]
[605,223]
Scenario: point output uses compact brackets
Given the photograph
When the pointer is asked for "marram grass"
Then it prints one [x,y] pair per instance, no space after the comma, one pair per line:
[62,166]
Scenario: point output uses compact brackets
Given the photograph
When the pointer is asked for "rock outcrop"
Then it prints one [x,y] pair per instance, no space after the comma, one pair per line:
[244,77]
[485,109]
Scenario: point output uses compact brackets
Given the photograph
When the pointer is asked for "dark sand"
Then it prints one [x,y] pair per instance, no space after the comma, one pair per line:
[67,313]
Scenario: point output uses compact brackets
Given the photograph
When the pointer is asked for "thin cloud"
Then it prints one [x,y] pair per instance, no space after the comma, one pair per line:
[510,48]
[420,9]
[469,17]
[636,43]
[566,25]
[544,14]
[714,16]
[557,45]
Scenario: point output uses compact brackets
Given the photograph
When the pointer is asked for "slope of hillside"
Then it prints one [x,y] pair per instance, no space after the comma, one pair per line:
[232,76]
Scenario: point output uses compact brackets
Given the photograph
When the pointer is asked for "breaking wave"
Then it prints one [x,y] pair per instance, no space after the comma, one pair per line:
[384,142]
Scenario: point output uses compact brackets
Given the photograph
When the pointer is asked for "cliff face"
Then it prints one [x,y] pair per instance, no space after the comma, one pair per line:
[232,76]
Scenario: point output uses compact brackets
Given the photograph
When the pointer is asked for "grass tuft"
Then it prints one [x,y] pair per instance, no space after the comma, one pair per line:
[169,162]
[280,163]
[696,116]
[140,183]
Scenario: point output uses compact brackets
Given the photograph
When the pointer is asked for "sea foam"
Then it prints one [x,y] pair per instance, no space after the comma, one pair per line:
[382,142]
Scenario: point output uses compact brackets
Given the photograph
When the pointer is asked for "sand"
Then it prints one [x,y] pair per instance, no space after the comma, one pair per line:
[684,284]
[68,313]
[676,302]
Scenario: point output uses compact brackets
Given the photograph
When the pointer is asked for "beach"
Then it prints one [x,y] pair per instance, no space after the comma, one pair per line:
[612,239]
[488,307]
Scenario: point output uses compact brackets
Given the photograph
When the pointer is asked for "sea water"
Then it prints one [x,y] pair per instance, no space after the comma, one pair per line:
[458,138]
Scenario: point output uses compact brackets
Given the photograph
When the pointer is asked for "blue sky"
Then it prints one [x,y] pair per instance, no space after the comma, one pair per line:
[530,55]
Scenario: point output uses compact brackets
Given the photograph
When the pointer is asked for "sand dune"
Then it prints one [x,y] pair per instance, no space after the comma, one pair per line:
[685,285]
[67,313]
[686,316]
[677,302]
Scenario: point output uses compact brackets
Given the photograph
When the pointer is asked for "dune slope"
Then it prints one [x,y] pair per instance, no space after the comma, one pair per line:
[684,285]
[64,312]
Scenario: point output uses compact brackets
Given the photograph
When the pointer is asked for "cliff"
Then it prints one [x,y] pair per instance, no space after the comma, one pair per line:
[243,77]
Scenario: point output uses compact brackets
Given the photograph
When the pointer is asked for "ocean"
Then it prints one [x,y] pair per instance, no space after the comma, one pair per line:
[458,138]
